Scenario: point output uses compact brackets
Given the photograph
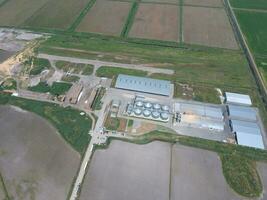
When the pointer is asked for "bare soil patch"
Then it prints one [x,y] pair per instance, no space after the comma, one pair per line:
[212,3]
[209,27]
[106,17]
[35,161]
[156,21]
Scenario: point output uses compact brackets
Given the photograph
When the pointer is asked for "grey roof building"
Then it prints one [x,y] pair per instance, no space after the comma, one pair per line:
[235,98]
[247,133]
[146,85]
[242,113]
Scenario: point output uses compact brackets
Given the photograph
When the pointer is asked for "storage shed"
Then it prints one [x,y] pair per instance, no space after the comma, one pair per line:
[235,98]
[242,113]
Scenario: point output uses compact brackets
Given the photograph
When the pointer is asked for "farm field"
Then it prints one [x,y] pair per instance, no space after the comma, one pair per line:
[33,164]
[179,169]
[249,4]
[15,12]
[162,1]
[211,29]
[106,17]
[156,21]
[58,14]
[5,55]
[211,3]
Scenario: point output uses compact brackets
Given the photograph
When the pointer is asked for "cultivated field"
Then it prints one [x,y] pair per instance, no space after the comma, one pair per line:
[211,3]
[262,169]
[106,17]
[58,14]
[209,27]
[130,171]
[162,1]
[248,4]
[156,21]
[33,157]
[15,12]
[197,174]
[5,55]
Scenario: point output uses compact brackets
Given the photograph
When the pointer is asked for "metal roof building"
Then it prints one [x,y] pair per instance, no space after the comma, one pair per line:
[242,113]
[247,133]
[146,85]
[200,110]
[236,98]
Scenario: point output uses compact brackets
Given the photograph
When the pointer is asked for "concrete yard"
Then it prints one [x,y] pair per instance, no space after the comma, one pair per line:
[155,171]
[35,162]
[105,17]
[156,21]
[208,27]
[129,171]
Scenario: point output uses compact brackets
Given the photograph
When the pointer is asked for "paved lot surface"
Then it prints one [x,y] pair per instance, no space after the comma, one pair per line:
[35,161]
[106,17]
[209,27]
[156,21]
[129,171]
[197,174]
[262,169]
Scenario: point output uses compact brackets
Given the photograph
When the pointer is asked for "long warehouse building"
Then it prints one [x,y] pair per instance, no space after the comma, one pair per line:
[146,85]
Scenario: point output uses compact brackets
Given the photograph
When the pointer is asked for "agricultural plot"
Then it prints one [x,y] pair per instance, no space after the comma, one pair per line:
[249,4]
[208,3]
[58,14]
[106,17]
[15,12]
[5,55]
[156,21]
[33,158]
[208,27]
[162,1]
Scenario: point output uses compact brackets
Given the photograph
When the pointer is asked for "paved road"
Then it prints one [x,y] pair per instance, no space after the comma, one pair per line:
[98,64]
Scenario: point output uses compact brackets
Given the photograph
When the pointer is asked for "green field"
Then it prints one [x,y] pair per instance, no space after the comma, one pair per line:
[249,4]
[57,88]
[8,84]
[38,65]
[112,72]
[72,126]
[253,25]
[70,78]
[75,68]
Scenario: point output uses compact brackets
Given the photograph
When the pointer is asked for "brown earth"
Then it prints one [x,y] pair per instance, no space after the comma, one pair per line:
[209,27]
[36,163]
[156,21]
[106,17]
[212,3]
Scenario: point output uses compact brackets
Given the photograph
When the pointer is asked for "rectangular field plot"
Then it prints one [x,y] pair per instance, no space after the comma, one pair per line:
[106,17]
[162,1]
[59,14]
[208,27]
[15,12]
[211,3]
[253,25]
[156,21]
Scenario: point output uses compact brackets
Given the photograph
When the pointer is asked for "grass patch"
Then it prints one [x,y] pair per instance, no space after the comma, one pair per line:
[130,123]
[249,4]
[9,84]
[70,78]
[130,19]
[72,126]
[3,188]
[253,25]
[241,174]
[57,88]
[75,68]
[113,72]
[39,65]
[97,104]
[115,123]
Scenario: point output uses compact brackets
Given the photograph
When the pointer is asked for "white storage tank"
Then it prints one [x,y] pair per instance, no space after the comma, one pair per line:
[165,108]
[156,106]
[164,116]
[147,113]
[155,114]
[138,111]
[148,105]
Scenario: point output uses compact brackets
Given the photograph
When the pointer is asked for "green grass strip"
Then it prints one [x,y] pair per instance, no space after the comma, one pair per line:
[81,16]
[130,20]
[2,182]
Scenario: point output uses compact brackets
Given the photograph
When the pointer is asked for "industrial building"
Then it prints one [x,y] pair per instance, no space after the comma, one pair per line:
[235,98]
[200,110]
[148,110]
[145,85]
[247,133]
[74,93]
[242,113]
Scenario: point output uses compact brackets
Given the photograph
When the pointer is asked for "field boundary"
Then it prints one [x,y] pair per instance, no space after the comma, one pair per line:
[130,20]
[181,20]
[78,20]
[2,182]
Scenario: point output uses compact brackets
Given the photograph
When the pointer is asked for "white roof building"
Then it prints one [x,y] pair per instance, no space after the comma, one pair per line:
[235,98]
[248,133]
[242,113]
